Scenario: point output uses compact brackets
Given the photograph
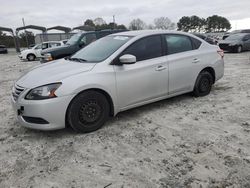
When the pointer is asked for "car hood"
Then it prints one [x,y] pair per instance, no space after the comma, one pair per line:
[26,51]
[58,49]
[229,42]
[52,72]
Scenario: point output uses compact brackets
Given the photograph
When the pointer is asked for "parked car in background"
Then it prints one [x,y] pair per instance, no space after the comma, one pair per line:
[75,43]
[206,38]
[235,32]
[35,52]
[31,46]
[115,73]
[3,49]
[65,41]
[236,43]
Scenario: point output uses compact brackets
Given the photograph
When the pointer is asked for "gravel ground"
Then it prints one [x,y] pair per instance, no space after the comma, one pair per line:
[179,142]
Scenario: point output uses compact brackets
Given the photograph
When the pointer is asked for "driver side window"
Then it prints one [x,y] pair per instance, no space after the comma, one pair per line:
[87,39]
[146,48]
[44,45]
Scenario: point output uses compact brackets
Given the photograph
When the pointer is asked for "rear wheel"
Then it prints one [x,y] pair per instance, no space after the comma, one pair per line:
[31,57]
[88,111]
[203,84]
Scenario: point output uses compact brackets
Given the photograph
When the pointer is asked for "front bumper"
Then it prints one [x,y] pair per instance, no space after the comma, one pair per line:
[53,111]
[21,57]
[43,60]
[227,47]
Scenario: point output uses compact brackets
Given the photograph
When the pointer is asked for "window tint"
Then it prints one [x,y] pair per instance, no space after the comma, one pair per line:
[54,44]
[101,49]
[178,43]
[103,33]
[39,46]
[44,45]
[196,43]
[146,48]
[88,38]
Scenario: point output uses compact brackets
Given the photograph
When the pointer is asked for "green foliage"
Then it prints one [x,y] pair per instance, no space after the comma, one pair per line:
[89,22]
[6,40]
[196,24]
[100,24]
[184,24]
[26,37]
[217,23]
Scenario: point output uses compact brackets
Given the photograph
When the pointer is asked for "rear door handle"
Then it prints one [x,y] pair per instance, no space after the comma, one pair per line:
[160,68]
[196,60]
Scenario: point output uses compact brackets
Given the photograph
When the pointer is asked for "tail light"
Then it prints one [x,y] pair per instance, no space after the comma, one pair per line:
[220,52]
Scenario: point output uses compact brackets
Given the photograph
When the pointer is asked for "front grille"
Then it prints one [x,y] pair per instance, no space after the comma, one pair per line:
[17,90]
[35,120]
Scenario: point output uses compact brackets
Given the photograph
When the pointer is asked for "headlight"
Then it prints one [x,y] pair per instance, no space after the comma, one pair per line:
[48,57]
[232,44]
[43,92]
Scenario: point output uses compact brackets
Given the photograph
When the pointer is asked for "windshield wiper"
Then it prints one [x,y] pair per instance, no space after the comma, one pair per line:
[76,59]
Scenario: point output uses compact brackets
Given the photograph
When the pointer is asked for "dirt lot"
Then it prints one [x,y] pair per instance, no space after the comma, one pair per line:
[179,142]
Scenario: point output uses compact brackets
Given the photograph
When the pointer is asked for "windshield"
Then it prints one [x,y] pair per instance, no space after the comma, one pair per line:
[74,39]
[235,37]
[39,46]
[101,49]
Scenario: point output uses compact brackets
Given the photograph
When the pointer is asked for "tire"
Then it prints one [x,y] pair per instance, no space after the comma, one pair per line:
[239,49]
[203,84]
[31,57]
[88,111]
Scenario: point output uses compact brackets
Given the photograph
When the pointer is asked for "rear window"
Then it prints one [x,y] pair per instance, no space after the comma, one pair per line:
[196,43]
[178,43]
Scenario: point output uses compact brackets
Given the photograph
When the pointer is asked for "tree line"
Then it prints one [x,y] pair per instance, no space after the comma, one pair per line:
[23,37]
[193,23]
[213,23]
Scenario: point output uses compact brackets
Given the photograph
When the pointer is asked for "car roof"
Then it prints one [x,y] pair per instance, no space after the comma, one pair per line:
[52,41]
[240,34]
[149,32]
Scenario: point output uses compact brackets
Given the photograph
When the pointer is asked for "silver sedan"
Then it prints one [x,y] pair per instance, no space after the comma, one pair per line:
[113,74]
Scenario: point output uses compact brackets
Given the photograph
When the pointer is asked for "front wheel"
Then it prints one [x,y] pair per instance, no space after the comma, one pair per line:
[88,111]
[239,49]
[31,57]
[203,84]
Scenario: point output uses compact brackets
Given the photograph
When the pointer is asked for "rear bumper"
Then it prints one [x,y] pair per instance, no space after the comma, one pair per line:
[52,111]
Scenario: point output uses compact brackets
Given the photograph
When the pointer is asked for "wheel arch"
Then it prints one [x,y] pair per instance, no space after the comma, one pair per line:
[211,71]
[106,94]
[30,53]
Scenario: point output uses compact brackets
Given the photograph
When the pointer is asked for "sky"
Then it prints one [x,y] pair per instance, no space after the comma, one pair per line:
[72,13]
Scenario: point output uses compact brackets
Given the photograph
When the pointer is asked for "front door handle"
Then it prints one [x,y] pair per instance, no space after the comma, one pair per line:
[160,68]
[196,60]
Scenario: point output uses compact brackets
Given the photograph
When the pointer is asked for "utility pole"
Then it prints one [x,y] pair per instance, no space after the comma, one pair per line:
[27,42]
[114,21]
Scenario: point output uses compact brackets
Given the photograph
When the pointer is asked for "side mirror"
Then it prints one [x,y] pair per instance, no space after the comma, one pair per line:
[127,59]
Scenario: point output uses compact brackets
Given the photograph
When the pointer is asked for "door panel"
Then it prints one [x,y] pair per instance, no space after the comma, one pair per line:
[141,81]
[146,79]
[184,62]
[183,70]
